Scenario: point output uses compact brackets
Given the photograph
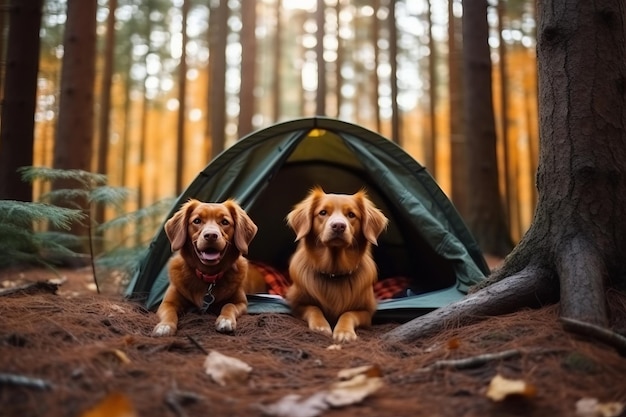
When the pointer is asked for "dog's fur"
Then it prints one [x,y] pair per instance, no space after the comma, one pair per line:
[212,239]
[332,269]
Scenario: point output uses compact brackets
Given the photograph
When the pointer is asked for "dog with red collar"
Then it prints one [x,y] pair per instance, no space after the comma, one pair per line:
[209,271]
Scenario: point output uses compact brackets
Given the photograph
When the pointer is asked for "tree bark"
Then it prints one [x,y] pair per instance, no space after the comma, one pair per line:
[276,61]
[74,144]
[458,146]
[182,103]
[577,239]
[431,151]
[105,104]
[396,121]
[485,215]
[248,68]
[320,19]
[218,30]
[18,104]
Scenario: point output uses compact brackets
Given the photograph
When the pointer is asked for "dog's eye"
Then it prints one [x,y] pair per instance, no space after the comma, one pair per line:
[196,220]
[323,213]
[225,222]
[351,215]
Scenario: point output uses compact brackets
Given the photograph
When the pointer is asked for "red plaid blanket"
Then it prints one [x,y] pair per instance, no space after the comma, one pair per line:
[278,283]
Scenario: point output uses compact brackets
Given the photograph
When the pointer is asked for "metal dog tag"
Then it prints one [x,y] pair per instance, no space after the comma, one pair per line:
[208,299]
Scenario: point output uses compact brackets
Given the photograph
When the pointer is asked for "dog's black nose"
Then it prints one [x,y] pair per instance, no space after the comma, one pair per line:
[210,236]
[338,227]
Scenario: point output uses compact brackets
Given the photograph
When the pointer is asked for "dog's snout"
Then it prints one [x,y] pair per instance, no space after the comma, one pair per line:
[210,235]
[338,226]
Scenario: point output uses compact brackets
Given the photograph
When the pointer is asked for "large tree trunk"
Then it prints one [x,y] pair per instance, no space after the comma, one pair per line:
[18,105]
[577,239]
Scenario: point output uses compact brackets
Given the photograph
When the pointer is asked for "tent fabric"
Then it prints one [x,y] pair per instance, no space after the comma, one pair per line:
[272,169]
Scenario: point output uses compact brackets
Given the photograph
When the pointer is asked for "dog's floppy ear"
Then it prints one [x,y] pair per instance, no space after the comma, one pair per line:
[245,229]
[374,221]
[300,218]
[176,226]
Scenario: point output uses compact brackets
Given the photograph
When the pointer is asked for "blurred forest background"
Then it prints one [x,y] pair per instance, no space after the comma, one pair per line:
[147,92]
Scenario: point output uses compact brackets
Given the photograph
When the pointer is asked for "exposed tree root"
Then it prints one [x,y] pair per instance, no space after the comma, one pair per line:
[607,336]
[528,288]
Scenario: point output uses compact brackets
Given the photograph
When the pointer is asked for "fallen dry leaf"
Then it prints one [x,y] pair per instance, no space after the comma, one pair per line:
[225,369]
[115,404]
[355,384]
[501,388]
[294,406]
[591,407]
[368,370]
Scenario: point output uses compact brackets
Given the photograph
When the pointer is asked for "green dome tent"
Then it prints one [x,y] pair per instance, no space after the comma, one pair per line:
[272,169]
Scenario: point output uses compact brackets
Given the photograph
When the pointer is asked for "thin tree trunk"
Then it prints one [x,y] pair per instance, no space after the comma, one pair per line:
[248,67]
[320,18]
[431,159]
[218,31]
[276,59]
[375,37]
[509,170]
[396,128]
[458,146]
[18,105]
[182,103]
[73,148]
[105,102]
[339,61]
[486,218]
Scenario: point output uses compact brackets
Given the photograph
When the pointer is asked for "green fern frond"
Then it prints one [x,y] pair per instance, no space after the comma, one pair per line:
[87,179]
[23,214]
[68,196]
[108,195]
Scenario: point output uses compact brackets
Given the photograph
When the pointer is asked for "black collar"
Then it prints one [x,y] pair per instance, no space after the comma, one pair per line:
[333,275]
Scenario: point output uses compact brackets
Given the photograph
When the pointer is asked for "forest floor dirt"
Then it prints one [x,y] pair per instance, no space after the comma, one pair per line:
[72,352]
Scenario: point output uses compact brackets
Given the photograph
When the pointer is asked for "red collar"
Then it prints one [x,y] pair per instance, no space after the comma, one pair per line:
[208,277]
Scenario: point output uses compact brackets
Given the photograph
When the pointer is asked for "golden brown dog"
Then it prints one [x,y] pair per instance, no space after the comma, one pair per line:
[332,269]
[210,270]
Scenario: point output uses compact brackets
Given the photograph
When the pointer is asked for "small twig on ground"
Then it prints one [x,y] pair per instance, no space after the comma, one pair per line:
[474,361]
[197,344]
[14,379]
[607,336]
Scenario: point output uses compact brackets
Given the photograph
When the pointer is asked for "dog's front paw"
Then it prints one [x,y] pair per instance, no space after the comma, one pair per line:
[163,329]
[344,335]
[321,326]
[225,324]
